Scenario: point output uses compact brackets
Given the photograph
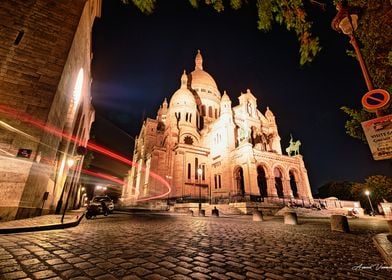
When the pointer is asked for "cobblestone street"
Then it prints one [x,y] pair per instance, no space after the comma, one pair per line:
[125,246]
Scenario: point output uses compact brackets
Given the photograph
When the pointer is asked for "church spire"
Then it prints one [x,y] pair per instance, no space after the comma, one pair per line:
[184,80]
[198,61]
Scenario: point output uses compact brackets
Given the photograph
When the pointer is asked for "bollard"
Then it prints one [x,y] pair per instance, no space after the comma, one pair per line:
[290,218]
[339,223]
[202,213]
[389,225]
[389,235]
[257,216]
[215,212]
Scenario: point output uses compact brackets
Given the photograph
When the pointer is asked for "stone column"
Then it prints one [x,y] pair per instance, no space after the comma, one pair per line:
[271,189]
[287,191]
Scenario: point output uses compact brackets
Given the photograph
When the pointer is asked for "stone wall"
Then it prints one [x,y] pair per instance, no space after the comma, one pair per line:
[43,45]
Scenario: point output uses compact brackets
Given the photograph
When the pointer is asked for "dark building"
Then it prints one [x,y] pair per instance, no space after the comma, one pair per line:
[45,78]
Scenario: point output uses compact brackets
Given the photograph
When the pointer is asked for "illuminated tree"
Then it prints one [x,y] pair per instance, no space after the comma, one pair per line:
[380,188]
[339,189]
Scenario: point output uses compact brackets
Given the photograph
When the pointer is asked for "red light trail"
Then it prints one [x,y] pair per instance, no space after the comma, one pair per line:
[22,116]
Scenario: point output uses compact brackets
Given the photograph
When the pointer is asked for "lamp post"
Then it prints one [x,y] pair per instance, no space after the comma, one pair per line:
[69,192]
[70,163]
[370,202]
[199,173]
[346,21]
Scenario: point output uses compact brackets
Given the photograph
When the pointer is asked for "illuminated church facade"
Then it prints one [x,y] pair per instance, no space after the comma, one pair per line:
[204,146]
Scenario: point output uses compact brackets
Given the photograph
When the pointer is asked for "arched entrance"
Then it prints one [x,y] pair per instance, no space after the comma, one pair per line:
[278,182]
[293,183]
[239,178]
[262,181]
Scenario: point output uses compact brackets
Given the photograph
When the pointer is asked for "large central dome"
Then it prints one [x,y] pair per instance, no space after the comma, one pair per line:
[200,78]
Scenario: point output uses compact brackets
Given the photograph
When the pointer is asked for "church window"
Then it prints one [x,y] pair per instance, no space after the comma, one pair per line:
[210,111]
[189,171]
[216,113]
[203,175]
[203,90]
[188,140]
[186,117]
[203,110]
[190,117]
[196,165]
[217,181]
[209,91]
[19,38]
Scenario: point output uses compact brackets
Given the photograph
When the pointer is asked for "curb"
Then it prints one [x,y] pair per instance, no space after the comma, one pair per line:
[384,246]
[42,228]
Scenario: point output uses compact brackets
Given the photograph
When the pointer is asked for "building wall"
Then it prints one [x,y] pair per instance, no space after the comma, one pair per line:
[43,46]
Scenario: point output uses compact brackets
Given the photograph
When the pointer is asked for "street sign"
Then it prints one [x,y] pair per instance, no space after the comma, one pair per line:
[378,134]
[375,99]
[24,153]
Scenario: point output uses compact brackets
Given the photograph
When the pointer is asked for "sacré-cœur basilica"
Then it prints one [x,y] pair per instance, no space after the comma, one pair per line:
[209,150]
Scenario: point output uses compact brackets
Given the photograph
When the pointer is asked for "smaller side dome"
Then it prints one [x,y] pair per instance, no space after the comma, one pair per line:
[183,96]
[269,114]
[225,97]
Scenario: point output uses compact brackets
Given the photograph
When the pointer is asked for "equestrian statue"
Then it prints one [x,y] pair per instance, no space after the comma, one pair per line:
[294,147]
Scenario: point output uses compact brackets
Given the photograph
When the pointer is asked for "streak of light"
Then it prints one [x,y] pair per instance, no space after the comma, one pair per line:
[28,136]
[102,176]
[7,153]
[13,129]
[90,145]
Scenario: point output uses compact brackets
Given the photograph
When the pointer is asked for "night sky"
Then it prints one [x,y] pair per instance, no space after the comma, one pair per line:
[139,59]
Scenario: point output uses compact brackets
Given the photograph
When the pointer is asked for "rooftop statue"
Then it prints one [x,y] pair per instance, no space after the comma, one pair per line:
[294,147]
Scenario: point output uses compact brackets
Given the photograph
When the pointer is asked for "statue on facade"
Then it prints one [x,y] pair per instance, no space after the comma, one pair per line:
[244,133]
[294,147]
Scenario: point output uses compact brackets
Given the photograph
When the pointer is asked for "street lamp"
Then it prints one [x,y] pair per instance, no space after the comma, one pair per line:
[70,163]
[346,21]
[370,202]
[199,173]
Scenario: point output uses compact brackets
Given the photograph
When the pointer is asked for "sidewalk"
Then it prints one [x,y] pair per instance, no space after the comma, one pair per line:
[46,222]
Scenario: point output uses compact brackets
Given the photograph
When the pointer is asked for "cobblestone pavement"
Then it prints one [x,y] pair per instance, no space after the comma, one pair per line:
[124,246]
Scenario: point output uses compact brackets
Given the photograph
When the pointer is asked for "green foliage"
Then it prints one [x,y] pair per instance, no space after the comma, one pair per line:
[375,34]
[293,15]
[339,189]
[353,125]
[146,6]
[380,188]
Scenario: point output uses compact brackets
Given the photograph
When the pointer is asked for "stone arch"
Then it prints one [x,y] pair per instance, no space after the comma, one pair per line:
[278,175]
[294,181]
[239,181]
[262,172]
